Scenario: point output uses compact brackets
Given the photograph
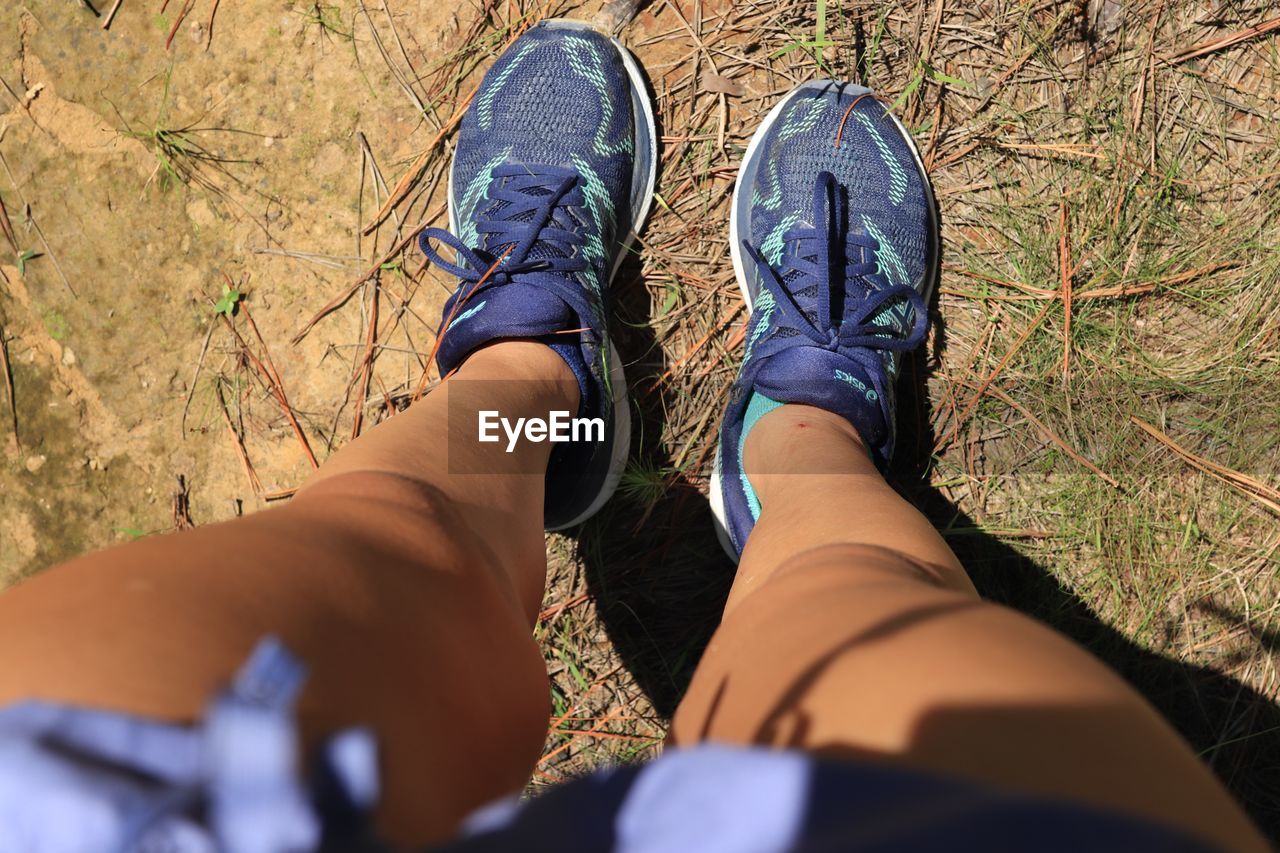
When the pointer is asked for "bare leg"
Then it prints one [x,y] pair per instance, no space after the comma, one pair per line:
[852,631]
[406,575]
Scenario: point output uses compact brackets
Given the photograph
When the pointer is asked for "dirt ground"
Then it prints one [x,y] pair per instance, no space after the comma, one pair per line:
[107,327]
[1095,424]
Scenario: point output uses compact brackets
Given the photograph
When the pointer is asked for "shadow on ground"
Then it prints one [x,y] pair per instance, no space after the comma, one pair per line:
[660,580]
[654,567]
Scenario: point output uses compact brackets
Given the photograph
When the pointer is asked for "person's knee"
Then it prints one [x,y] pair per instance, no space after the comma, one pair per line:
[386,536]
[857,564]
[379,492]
[392,511]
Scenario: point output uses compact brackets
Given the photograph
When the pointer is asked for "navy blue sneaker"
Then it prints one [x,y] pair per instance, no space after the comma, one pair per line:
[551,180]
[834,237]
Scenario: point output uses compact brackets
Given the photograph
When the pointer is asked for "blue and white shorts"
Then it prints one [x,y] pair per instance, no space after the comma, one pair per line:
[75,780]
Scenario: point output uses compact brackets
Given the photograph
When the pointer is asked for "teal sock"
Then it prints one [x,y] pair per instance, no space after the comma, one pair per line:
[757,407]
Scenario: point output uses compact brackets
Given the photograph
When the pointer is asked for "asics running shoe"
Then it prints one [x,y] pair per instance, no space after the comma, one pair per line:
[551,180]
[834,237]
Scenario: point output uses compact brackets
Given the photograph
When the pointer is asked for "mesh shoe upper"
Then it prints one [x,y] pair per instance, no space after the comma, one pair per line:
[557,97]
[887,194]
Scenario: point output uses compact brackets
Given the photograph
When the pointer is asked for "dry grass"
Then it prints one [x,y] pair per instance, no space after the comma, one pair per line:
[1109,202]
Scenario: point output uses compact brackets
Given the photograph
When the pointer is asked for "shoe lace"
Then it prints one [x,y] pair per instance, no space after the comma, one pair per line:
[818,268]
[524,236]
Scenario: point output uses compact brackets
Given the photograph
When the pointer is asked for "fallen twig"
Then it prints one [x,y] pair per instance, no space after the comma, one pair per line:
[847,113]
[334,262]
[696,348]
[182,507]
[35,224]
[406,181]
[111,15]
[270,376]
[249,473]
[999,394]
[991,377]
[209,26]
[1066,149]
[7,227]
[191,391]
[573,735]
[366,366]
[341,299]
[274,382]
[1066,14]
[1133,288]
[1265,495]
[1216,44]
[1065,271]
[396,73]
[554,610]
[182,14]
[6,368]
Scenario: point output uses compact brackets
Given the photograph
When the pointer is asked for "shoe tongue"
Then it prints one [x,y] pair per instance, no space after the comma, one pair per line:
[512,310]
[805,375]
